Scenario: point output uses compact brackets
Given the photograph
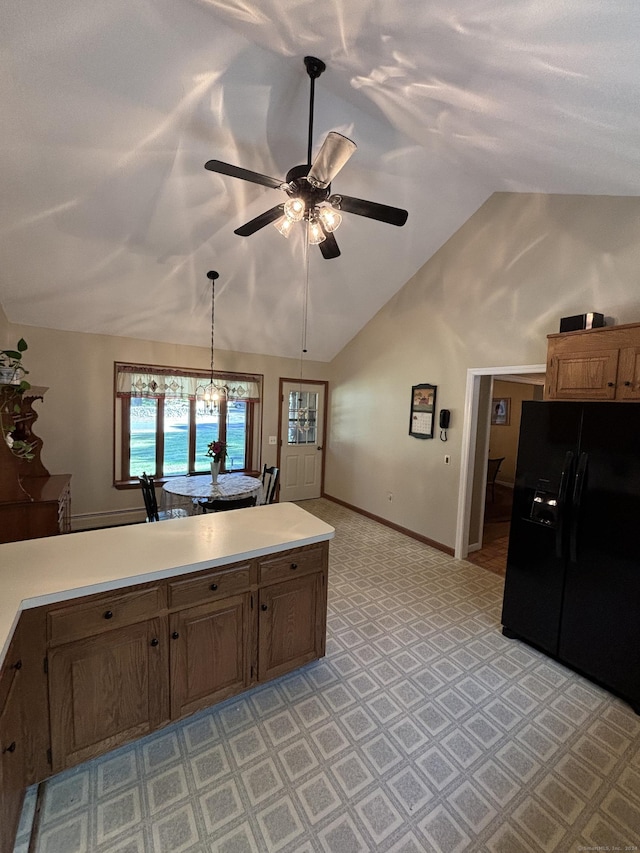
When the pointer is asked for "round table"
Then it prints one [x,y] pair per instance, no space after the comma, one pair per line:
[185,492]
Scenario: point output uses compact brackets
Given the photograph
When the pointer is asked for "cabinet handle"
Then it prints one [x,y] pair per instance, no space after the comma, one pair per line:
[155,642]
[263,607]
[627,383]
[11,747]
[610,384]
[175,635]
[213,587]
[294,565]
[108,614]
[17,664]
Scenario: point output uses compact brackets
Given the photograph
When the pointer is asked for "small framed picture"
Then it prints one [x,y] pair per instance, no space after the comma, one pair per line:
[501,411]
[423,406]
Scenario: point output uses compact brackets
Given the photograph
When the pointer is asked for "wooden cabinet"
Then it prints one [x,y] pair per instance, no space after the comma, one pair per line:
[11,749]
[292,611]
[107,663]
[211,637]
[209,653]
[33,503]
[595,364]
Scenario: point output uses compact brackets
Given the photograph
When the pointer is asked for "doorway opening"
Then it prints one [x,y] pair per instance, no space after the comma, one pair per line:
[480,411]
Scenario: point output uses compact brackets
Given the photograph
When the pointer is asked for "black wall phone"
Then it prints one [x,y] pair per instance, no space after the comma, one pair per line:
[445,417]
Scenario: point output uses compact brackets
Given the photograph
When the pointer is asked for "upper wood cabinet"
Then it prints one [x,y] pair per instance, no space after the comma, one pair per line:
[595,364]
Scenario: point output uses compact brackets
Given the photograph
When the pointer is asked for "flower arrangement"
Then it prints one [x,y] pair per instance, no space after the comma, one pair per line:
[217,450]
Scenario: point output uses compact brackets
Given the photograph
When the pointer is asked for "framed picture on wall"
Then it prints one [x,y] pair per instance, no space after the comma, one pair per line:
[423,405]
[501,411]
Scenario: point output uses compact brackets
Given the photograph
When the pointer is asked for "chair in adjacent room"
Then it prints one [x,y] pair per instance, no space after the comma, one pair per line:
[270,476]
[151,504]
[219,505]
[493,466]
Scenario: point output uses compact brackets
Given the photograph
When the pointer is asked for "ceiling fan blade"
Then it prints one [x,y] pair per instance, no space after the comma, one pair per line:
[259,222]
[329,247]
[370,209]
[334,153]
[243,174]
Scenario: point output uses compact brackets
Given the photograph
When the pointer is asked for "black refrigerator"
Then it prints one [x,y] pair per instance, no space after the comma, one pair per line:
[572,586]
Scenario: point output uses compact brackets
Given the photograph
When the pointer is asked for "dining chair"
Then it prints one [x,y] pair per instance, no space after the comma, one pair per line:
[493,466]
[151,504]
[270,477]
[219,505]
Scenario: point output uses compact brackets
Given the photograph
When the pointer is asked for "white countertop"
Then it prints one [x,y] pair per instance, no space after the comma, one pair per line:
[58,568]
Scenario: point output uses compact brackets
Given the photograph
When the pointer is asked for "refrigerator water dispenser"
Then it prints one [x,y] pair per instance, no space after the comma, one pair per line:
[544,507]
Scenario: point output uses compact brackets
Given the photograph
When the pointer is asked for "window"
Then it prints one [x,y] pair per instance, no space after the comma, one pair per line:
[163,423]
[303,416]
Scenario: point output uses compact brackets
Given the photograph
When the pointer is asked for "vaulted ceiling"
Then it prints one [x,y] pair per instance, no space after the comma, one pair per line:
[109,221]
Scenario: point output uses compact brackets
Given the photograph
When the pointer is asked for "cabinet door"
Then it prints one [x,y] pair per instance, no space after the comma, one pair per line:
[107,690]
[629,374]
[11,766]
[291,625]
[587,375]
[209,653]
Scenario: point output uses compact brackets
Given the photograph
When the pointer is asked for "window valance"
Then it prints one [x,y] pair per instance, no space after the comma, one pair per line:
[135,380]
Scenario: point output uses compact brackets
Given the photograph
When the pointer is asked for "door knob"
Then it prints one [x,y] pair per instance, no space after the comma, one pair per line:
[175,635]
[263,607]
[155,642]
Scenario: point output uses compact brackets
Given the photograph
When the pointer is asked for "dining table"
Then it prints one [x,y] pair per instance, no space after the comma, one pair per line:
[186,492]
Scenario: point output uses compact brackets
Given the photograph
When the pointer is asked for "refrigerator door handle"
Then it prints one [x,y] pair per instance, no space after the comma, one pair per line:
[562,500]
[577,499]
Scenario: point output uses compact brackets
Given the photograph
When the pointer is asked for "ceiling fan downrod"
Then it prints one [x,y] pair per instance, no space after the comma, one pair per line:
[314,67]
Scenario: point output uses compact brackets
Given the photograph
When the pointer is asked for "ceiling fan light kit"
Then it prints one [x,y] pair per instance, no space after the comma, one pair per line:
[308,187]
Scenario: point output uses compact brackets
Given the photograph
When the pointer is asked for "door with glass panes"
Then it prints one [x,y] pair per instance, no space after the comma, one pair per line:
[301,450]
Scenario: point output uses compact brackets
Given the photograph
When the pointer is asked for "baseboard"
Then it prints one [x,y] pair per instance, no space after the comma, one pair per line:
[424,539]
[109,518]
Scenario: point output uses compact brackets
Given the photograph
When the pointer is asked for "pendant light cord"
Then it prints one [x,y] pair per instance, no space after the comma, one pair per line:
[305,307]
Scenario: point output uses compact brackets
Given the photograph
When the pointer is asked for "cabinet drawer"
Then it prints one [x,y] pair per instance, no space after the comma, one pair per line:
[209,586]
[102,614]
[288,565]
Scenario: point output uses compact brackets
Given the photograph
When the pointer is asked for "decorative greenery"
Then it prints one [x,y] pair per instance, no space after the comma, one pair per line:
[217,450]
[11,360]
[10,409]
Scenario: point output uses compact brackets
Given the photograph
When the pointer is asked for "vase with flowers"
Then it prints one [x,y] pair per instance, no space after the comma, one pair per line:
[217,451]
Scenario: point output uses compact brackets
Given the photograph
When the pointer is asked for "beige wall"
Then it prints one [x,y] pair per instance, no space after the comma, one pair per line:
[76,416]
[503,439]
[487,298]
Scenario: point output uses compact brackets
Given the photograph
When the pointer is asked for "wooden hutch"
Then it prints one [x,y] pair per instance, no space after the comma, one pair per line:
[33,502]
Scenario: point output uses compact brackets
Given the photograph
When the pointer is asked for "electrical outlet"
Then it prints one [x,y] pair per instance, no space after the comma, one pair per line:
[273,439]
[447,459]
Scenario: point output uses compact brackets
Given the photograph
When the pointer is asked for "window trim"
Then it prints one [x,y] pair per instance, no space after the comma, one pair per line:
[122,418]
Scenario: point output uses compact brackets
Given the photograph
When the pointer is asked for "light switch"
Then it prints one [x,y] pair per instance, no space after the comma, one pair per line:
[273,439]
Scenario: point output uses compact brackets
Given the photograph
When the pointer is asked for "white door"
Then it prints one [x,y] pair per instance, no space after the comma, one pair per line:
[302,431]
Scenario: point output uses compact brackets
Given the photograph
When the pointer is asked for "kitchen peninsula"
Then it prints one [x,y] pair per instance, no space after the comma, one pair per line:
[107,635]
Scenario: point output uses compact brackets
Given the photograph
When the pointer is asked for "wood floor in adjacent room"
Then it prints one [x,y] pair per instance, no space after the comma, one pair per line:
[495,533]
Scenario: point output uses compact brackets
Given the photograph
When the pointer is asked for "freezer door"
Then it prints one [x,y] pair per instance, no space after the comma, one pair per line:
[534,579]
[600,633]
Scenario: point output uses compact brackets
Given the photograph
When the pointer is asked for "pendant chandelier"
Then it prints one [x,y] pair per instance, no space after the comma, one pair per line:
[209,395]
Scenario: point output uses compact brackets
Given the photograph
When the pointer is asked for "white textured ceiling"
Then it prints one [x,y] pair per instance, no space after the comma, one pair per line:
[109,221]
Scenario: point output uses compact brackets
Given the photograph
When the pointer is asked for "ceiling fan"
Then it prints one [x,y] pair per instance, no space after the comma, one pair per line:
[309,188]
